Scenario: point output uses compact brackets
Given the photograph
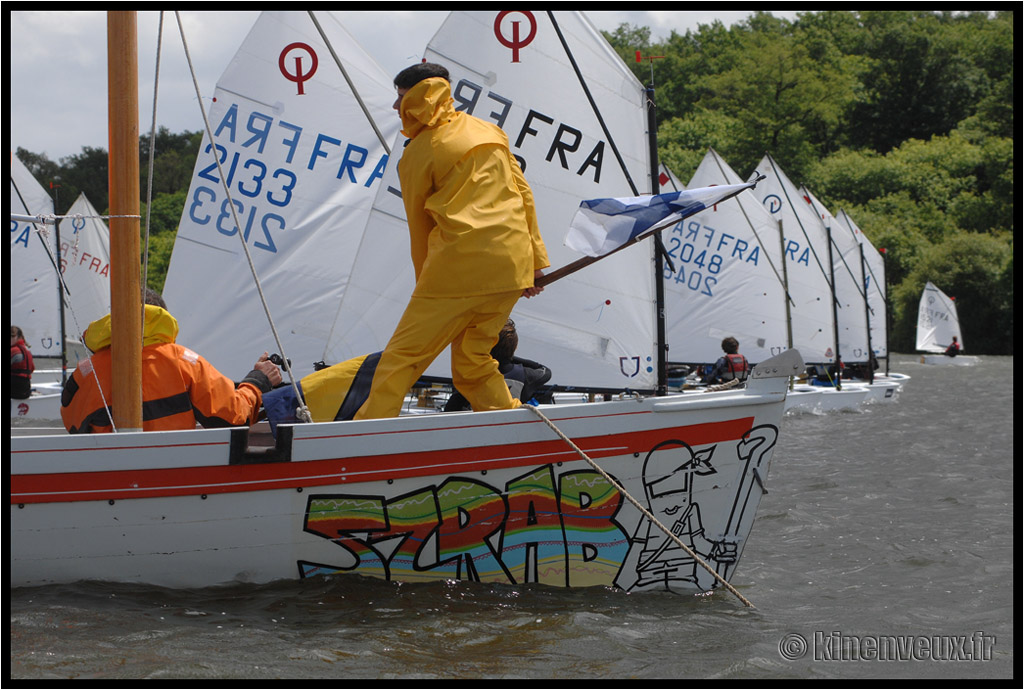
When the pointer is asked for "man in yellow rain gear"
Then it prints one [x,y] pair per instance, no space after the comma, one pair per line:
[475,245]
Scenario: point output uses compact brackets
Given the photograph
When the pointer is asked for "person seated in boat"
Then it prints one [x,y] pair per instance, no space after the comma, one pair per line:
[731,366]
[180,389]
[524,377]
[331,394]
[863,371]
[22,365]
[821,375]
[475,245]
[954,348]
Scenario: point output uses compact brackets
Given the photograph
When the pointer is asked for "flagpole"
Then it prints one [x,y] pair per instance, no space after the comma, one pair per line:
[585,261]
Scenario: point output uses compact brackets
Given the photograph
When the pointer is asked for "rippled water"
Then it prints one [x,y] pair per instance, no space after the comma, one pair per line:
[889,529]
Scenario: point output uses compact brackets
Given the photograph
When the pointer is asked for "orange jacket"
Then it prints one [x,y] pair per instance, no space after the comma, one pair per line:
[179,388]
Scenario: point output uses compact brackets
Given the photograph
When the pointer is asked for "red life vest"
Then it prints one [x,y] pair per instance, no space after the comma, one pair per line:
[735,368]
[24,366]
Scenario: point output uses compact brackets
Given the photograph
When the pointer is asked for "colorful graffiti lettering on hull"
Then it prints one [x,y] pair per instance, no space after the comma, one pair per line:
[563,530]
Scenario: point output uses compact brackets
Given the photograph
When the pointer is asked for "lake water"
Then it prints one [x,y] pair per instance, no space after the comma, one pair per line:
[884,549]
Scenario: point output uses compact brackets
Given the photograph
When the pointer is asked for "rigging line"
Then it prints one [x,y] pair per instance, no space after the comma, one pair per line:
[352,86]
[33,220]
[646,513]
[847,220]
[302,412]
[593,104]
[719,162]
[152,145]
[856,283]
[801,224]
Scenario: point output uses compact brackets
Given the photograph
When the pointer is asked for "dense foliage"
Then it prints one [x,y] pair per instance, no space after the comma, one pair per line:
[904,119]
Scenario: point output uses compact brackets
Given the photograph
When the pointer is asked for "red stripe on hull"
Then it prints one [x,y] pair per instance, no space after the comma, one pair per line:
[152,483]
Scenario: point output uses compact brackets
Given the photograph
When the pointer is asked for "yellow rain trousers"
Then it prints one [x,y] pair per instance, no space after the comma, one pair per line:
[475,247]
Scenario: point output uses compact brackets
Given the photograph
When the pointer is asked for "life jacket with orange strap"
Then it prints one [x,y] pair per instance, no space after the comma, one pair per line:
[735,368]
[22,366]
[179,388]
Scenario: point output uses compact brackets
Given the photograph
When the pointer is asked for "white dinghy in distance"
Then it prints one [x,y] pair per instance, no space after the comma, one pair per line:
[937,326]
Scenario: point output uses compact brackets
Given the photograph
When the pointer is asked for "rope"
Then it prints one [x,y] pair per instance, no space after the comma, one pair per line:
[644,511]
[723,386]
[352,86]
[152,145]
[302,412]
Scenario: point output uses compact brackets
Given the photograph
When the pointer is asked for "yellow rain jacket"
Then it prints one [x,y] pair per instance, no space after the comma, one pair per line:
[475,247]
[179,388]
[471,216]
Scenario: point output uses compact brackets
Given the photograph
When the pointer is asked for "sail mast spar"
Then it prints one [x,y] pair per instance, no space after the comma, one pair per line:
[125,221]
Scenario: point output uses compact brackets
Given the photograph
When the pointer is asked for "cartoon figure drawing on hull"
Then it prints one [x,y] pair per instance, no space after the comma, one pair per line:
[670,474]
[654,558]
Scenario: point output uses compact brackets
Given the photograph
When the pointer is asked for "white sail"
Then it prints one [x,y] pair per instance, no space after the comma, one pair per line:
[937,321]
[35,301]
[596,327]
[303,163]
[874,285]
[667,180]
[728,276]
[806,255]
[847,272]
[85,257]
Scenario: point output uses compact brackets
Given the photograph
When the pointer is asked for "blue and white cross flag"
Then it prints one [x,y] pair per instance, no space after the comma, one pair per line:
[601,226]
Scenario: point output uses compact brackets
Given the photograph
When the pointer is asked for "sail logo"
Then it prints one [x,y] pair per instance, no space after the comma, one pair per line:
[298,76]
[515,43]
[773,203]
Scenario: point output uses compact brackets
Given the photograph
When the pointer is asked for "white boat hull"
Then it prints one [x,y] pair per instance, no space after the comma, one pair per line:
[44,403]
[804,399]
[493,496]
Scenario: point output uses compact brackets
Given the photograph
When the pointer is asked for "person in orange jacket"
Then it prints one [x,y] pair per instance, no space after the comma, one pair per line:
[475,245]
[179,388]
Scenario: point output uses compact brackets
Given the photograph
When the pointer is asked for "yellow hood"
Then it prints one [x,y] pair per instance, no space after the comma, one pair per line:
[427,104]
[159,327]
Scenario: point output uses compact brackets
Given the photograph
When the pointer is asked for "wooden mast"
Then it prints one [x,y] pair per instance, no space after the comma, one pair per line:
[125,291]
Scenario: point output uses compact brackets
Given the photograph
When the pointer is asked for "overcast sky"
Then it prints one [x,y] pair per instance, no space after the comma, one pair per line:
[57,62]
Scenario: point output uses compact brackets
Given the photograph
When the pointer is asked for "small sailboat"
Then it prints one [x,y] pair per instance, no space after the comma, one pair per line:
[938,326]
[487,496]
[52,308]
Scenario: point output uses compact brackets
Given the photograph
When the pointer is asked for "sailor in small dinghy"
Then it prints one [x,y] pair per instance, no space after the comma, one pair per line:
[22,365]
[731,366]
[954,348]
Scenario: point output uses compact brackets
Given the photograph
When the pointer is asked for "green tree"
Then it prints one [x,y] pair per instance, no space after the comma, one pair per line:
[918,82]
